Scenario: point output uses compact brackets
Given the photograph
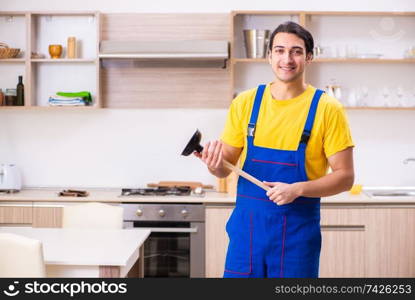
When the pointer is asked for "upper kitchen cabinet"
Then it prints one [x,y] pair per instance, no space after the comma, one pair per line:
[369,58]
[13,50]
[165,60]
[365,59]
[70,70]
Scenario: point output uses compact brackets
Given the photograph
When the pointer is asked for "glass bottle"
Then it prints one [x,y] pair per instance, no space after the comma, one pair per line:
[20,92]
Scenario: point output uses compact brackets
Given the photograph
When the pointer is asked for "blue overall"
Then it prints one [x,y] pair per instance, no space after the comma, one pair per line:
[266,239]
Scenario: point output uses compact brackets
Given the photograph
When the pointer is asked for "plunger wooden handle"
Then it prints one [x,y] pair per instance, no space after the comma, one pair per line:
[246,175]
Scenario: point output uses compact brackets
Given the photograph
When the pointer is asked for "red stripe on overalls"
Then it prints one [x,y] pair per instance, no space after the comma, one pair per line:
[283,246]
[249,197]
[274,162]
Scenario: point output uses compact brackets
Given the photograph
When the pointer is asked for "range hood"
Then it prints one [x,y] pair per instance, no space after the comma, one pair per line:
[191,52]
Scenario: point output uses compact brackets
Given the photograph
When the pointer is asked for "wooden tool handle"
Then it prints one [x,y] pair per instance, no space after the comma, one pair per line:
[246,175]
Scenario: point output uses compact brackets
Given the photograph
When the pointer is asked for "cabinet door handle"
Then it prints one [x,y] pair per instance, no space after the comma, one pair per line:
[342,227]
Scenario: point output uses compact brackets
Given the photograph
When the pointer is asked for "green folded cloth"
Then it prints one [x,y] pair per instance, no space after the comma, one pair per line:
[84,95]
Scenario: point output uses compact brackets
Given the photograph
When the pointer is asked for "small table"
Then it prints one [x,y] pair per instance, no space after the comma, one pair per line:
[89,252]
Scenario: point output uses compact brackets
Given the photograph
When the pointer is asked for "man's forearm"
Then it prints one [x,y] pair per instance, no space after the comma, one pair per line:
[331,184]
[220,172]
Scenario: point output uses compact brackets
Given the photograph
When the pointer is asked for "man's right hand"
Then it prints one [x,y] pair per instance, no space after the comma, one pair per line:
[212,155]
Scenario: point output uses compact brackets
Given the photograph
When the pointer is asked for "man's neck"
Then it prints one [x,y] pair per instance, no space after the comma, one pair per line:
[287,90]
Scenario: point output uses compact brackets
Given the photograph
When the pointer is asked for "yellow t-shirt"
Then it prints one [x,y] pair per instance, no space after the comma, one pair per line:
[281,122]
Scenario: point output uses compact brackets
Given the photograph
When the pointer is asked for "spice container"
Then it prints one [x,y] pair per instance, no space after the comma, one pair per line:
[10,97]
[71,47]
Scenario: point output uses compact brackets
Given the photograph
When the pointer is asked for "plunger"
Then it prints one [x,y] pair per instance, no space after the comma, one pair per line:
[194,145]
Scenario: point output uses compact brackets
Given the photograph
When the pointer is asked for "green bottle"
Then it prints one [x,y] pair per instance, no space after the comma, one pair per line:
[20,92]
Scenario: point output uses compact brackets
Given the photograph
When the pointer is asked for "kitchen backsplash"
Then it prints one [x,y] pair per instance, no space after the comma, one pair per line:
[129,148]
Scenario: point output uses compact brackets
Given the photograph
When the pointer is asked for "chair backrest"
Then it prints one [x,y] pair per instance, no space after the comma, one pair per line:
[93,215]
[21,256]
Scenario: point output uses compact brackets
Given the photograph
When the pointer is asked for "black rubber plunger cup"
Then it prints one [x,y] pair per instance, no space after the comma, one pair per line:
[194,144]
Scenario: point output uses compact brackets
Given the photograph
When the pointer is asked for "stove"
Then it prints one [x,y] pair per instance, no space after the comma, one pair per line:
[158,191]
[176,245]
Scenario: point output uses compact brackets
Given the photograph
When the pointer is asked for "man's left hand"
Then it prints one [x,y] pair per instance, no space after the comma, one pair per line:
[282,193]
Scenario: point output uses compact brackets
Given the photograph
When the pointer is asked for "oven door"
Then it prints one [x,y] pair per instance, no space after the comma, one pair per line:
[173,249]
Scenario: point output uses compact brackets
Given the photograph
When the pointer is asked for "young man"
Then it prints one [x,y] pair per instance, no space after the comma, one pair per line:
[287,134]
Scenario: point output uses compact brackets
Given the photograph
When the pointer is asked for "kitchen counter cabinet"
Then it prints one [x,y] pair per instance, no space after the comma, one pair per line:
[390,244]
[15,213]
[343,241]
[216,239]
[27,214]
[47,217]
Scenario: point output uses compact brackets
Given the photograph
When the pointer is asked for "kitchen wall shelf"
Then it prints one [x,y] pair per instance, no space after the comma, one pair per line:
[334,60]
[63,60]
[378,108]
[365,60]
[12,60]
[44,77]
[342,33]
[48,108]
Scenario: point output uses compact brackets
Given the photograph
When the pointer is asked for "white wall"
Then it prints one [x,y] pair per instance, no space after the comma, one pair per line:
[114,148]
[207,6]
[108,148]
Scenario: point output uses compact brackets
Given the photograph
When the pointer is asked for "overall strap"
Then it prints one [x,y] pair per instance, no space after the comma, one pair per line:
[255,110]
[310,118]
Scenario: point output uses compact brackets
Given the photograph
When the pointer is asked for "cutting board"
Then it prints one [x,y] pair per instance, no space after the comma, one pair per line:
[192,184]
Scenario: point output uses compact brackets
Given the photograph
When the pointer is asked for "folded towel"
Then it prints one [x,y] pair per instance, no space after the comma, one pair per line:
[84,95]
[63,98]
[54,101]
[66,104]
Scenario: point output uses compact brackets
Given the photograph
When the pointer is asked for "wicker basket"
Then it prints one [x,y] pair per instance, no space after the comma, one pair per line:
[6,52]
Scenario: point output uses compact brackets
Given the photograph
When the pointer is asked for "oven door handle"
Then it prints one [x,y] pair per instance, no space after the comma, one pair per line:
[170,229]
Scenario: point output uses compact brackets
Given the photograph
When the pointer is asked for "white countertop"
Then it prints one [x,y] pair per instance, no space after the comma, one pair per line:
[103,247]
[38,195]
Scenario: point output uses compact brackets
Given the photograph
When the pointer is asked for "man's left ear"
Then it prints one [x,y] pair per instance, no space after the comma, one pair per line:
[309,57]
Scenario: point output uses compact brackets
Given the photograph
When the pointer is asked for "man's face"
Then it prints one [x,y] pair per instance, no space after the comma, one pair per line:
[288,57]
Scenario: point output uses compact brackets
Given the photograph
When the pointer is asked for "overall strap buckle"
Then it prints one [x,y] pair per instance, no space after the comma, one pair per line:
[251,129]
[305,137]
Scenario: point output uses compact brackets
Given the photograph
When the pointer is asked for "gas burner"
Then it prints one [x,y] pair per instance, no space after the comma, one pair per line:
[159,191]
